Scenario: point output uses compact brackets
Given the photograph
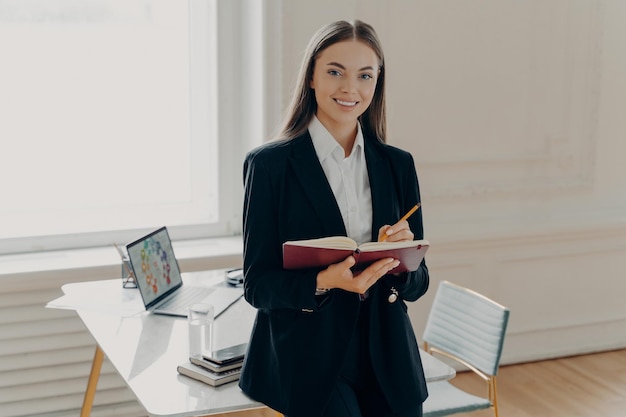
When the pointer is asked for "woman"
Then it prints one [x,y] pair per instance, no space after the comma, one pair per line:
[330,342]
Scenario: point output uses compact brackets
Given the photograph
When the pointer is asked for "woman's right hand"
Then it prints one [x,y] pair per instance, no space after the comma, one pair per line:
[340,275]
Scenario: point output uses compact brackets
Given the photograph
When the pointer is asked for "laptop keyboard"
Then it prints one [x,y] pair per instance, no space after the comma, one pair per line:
[184,297]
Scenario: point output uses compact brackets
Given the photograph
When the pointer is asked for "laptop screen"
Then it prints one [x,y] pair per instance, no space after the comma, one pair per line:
[154,265]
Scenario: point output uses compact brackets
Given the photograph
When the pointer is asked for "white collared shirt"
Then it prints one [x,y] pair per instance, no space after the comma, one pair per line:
[348,179]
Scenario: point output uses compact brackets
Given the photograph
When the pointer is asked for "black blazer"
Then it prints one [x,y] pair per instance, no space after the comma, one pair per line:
[299,340]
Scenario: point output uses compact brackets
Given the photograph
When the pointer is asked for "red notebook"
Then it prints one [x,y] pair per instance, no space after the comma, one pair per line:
[324,251]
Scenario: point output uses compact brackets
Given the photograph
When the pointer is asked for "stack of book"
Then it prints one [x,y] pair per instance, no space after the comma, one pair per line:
[215,368]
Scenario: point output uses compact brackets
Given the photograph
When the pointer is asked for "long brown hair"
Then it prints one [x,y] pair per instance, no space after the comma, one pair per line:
[303,105]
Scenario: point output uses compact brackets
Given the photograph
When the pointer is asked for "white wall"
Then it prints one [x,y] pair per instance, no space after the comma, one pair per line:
[514,114]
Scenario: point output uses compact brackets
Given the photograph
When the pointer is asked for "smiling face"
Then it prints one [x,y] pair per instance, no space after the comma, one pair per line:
[344,80]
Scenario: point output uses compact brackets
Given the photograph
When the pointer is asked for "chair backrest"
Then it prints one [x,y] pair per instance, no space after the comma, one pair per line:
[467,325]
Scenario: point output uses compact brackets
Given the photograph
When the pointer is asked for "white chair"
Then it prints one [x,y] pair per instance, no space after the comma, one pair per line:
[469,328]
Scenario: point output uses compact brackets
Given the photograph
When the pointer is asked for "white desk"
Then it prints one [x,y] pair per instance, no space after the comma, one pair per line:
[145,348]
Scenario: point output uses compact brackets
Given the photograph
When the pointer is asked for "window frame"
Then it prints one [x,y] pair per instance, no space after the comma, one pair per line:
[240,26]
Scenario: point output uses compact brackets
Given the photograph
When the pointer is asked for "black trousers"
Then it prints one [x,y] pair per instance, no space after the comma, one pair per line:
[346,402]
[357,393]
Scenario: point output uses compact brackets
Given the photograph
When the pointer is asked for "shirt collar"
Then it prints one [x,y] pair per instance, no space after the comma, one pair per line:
[325,144]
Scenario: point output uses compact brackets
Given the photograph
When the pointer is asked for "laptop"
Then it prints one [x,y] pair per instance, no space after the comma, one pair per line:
[160,283]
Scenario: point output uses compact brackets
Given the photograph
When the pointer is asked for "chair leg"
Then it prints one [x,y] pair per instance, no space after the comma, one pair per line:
[494,395]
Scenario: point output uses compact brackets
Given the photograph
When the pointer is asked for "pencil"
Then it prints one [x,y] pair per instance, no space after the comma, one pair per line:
[406,216]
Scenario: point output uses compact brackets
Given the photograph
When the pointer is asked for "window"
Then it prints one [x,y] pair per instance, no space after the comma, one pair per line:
[109,123]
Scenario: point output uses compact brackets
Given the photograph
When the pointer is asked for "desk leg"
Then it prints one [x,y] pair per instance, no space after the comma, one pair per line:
[90,393]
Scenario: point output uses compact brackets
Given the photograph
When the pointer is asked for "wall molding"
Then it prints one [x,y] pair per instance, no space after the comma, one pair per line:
[523,123]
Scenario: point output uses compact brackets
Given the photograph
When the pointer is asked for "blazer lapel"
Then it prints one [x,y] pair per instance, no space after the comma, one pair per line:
[379,174]
[311,176]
